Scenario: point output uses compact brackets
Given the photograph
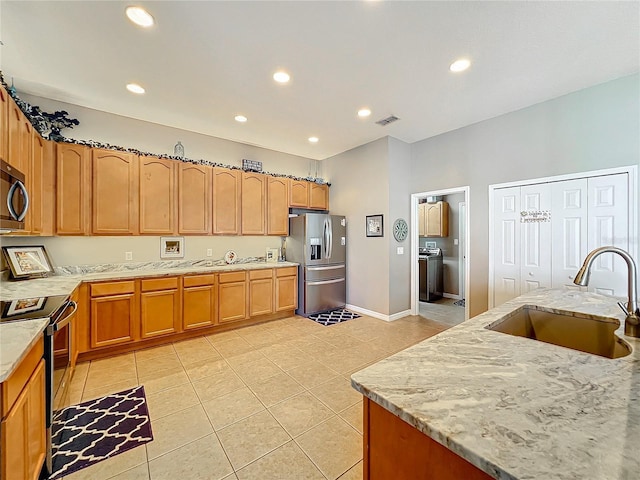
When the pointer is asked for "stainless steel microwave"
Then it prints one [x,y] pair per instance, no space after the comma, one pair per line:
[14,198]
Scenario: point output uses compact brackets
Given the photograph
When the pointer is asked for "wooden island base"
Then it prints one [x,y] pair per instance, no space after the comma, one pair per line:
[394,449]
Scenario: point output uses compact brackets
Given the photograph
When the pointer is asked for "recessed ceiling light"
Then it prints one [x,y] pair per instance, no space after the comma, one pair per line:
[135,88]
[240,118]
[313,139]
[460,65]
[281,77]
[139,16]
[364,112]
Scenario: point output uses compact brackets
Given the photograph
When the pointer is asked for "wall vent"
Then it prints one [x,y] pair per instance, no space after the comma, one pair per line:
[386,121]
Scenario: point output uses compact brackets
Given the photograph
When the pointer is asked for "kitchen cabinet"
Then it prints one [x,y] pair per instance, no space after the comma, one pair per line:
[227,186]
[260,292]
[433,219]
[254,203]
[299,194]
[23,427]
[395,449]
[158,196]
[4,127]
[277,206]
[73,189]
[232,296]
[114,313]
[159,306]
[114,193]
[42,186]
[286,291]
[198,301]
[19,139]
[318,196]
[194,199]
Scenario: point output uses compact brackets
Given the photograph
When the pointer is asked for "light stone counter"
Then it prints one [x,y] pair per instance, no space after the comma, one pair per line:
[16,339]
[518,408]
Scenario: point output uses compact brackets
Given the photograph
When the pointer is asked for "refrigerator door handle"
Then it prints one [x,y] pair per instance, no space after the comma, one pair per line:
[330,229]
[326,282]
[325,238]
[332,267]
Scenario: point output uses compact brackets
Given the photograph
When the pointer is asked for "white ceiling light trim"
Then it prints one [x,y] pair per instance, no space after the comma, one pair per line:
[314,139]
[135,88]
[460,65]
[364,112]
[281,77]
[139,16]
[240,118]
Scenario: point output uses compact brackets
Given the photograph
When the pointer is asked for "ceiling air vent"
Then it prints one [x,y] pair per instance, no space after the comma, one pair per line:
[386,121]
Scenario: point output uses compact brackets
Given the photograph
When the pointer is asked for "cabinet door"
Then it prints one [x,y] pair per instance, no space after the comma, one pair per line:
[254,195]
[506,244]
[73,189]
[198,307]
[157,196]
[19,139]
[535,239]
[437,219]
[299,194]
[42,185]
[318,196]
[194,199]
[422,219]
[4,127]
[260,292]
[277,206]
[160,312]
[37,421]
[286,293]
[115,193]
[232,296]
[113,320]
[226,201]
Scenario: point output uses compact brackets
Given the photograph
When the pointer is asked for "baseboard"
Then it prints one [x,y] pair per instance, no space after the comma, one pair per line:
[379,316]
[451,295]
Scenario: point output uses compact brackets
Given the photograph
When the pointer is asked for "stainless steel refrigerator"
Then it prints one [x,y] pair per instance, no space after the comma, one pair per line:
[318,242]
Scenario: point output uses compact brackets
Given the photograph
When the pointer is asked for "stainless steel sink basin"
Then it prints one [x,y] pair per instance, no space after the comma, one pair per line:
[588,334]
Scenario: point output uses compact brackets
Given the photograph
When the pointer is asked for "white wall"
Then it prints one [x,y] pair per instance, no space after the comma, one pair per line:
[591,129]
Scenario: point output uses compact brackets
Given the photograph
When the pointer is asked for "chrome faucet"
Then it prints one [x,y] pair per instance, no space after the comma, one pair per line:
[631,310]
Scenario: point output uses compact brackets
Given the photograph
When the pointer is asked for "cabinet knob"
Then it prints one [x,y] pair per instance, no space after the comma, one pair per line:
[531,274]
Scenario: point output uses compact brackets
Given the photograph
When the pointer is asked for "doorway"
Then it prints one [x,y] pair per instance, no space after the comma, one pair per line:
[452,308]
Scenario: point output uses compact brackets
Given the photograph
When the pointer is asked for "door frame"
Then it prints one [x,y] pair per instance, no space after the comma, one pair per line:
[631,170]
[415,241]
[462,225]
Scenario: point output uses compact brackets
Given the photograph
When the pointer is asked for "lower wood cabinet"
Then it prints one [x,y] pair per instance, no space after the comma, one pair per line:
[159,306]
[23,427]
[114,313]
[260,292]
[199,301]
[286,294]
[232,296]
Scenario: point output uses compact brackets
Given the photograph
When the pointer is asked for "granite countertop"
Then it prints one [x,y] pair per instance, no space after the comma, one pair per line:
[514,407]
[16,338]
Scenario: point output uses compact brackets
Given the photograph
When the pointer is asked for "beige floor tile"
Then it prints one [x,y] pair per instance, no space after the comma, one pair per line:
[353,416]
[104,377]
[337,393]
[195,350]
[312,374]
[206,368]
[112,466]
[248,357]
[251,438]
[346,362]
[354,473]
[221,337]
[166,362]
[154,352]
[126,360]
[171,400]
[292,358]
[203,459]
[108,389]
[178,429]
[344,342]
[233,347]
[232,407]
[333,446]
[285,462]
[275,389]
[221,383]
[257,371]
[300,413]
[163,379]
[141,472]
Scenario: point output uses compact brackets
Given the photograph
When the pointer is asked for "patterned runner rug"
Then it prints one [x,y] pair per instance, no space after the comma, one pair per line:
[331,318]
[459,303]
[98,429]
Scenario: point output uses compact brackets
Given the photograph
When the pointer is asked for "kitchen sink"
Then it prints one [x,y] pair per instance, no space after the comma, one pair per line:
[586,333]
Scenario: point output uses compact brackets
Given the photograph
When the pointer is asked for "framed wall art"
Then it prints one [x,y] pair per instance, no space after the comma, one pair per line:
[27,261]
[375,227]
[171,247]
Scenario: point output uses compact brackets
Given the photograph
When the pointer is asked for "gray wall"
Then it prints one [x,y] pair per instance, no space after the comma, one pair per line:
[591,129]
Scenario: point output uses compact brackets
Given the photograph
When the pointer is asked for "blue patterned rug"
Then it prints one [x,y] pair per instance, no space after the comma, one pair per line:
[334,317]
[98,429]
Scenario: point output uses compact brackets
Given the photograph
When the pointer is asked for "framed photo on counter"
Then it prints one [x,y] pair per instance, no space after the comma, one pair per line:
[27,261]
[375,227]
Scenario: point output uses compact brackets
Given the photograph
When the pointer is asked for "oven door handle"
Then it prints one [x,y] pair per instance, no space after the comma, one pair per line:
[63,320]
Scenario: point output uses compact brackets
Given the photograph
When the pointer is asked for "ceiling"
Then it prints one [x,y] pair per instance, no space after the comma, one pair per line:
[205,62]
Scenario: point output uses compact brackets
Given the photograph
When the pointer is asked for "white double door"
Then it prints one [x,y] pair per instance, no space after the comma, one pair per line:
[543,232]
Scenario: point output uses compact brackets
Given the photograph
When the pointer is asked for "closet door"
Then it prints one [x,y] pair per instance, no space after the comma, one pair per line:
[535,237]
[506,244]
[608,212]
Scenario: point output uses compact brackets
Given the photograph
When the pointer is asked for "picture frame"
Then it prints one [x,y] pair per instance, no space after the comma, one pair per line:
[271,255]
[375,225]
[24,305]
[171,247]
[27,261]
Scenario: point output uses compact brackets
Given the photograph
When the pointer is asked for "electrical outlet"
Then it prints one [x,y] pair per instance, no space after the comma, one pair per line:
[455,241]
[400,250]
[128,255]
[209,252]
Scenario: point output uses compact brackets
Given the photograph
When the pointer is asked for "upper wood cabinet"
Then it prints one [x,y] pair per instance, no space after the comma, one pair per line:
[254,205]
[19,139]
[436,219]
[318,196]
[277,206]
[4,127]
[73,189]
[299,193]
[115,193]
[227,187]
[194,199]
[158,196]
[42,185]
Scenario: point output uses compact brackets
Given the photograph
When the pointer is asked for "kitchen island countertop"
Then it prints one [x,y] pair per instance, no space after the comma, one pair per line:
[518,408]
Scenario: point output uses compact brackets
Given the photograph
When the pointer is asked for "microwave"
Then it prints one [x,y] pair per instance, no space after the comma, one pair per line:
[14,198]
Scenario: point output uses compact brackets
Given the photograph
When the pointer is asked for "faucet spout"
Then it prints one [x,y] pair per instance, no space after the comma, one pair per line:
[631,309]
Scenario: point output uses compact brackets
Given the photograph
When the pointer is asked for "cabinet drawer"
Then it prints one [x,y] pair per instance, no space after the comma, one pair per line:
[232,277]
[198,280]
[112,288]
[159,284]
[13,385]
[258,274]
[286,271]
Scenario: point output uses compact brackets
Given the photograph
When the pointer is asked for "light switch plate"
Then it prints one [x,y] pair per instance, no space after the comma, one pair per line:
[209,252]
[455,241]
[400,250]
[343,241]
[128,255]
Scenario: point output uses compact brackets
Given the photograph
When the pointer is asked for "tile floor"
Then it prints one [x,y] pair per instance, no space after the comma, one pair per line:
[442,311]
[271,401]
